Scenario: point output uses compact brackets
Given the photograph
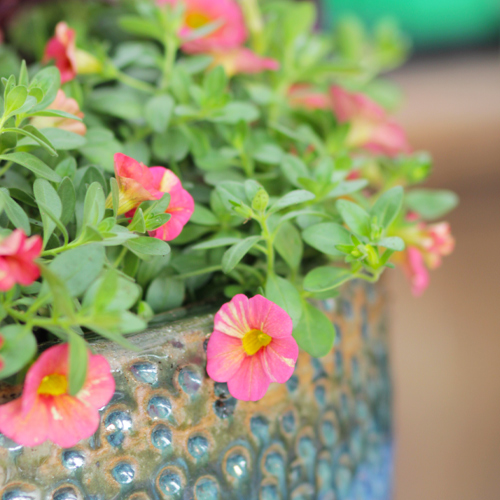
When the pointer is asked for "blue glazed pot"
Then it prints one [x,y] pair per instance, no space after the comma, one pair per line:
[172,433]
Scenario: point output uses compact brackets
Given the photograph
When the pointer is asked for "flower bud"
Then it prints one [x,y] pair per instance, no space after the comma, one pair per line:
[260,200]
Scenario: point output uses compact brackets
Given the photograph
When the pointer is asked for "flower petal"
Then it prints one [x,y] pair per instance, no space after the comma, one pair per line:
[233,317]
[71,420]
[250,382]
[279,358]
[268,317]
[28,429]
[99,386]
[225,355]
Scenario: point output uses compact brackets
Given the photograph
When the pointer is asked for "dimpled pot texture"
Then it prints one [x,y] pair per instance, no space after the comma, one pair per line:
[170,432]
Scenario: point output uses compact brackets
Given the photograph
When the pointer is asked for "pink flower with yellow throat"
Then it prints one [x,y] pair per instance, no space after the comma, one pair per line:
[17,256]
[67,104]
[251,346]
[46,411]
[138,183]
[229,30]
[68,59]
[303,95]
[370,127]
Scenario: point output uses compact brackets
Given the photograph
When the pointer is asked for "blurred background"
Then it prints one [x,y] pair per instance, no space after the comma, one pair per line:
[446,344]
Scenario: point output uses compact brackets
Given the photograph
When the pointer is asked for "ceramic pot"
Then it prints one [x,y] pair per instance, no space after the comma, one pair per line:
[170,432]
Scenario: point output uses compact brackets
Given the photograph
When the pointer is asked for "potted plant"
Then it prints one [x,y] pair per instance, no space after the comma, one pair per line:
[207,327]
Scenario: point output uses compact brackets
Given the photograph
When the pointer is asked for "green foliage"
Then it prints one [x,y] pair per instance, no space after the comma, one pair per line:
[285,205]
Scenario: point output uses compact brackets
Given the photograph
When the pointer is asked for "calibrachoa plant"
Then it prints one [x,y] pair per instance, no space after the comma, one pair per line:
[195,151]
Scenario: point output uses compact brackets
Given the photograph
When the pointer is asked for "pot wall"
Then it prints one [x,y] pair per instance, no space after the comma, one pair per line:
[172,433]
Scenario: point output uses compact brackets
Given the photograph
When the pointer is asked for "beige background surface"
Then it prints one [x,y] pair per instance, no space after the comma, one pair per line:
[446,344]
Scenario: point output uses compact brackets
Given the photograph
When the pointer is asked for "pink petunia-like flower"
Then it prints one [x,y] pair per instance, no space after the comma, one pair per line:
[370,127]
[243,60]
[67,104]
[46,411]
[438,243]
[138,183]
[415,270]
[229,26]
[17,255]
[62,49]
[68,59]
[180,208]
[251,346]
[303,95]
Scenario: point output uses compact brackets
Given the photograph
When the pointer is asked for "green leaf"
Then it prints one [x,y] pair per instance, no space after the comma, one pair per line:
[138,223]
[288,243]
[142,27]
[93,208]
[55,113]
[431,204]
[49,81]
[355,217]
[292,198]
[326,278]
[66,192]
[37,166]
[61,297]
[18,349]
[23,75]
[78,362]
[14,212]
[15,99]
[67,168]
[64,140]
[325,236]
[315,333]
[159,111]
[216,243]
[165,293]
[203,216]
[387,207]
[233,255]
[47,196]
[145,245]
[393,243]
[79,267]
[236,111]
[36,137]
[293,168]
[100,148]
[284,294]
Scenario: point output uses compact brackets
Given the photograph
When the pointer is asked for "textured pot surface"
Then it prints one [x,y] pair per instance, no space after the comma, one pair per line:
[172,433]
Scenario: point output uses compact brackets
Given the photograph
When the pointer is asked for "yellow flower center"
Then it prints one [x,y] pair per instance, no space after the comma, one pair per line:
[53,385]
[196,20]
[254,340]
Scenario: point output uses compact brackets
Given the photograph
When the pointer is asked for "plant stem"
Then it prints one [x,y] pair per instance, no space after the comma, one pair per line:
[199,272]
[133,82]
[120,257]
[171,46]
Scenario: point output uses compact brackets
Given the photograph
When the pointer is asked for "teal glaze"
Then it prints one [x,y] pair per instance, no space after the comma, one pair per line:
[171,433]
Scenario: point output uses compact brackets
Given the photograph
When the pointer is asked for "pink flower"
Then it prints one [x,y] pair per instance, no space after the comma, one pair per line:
[243,60]
[181,206]
[438,244]
[67,104]
[138,183]
[303,95]
[62,49]
[135,184]
[17,255]
[69,60]
[416,271]
[251,346]
[46,411]
[229,33]
[370,127]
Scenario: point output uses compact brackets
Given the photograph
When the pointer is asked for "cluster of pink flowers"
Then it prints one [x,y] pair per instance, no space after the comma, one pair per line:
[46,411]
[426,244]
[225,41]
[370,128]
[17,256]
[138,183]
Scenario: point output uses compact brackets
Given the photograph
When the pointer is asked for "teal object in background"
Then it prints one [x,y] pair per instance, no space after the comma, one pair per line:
[429,23]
